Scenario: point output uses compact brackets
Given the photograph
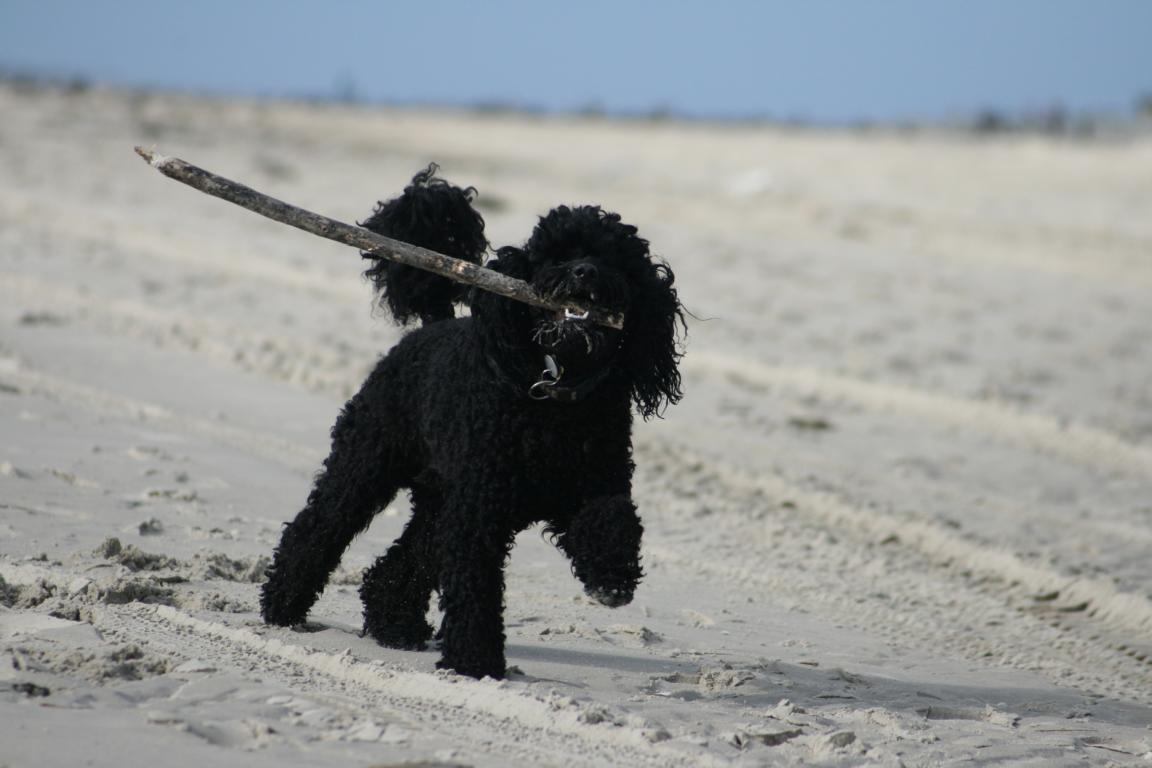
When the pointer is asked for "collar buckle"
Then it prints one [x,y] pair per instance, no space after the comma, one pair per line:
[545,388]
[549,386]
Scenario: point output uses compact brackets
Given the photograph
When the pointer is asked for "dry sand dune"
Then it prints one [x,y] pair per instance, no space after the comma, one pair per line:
[902,517]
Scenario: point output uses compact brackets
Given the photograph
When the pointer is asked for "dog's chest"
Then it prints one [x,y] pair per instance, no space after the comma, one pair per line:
[560,453]
[556,446]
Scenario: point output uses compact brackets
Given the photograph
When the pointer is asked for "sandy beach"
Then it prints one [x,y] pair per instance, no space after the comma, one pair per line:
[903,516]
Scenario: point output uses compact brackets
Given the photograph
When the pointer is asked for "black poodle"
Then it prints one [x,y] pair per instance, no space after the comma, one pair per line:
[494,422]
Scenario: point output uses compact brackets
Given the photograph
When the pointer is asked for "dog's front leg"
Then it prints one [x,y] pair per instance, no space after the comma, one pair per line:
[603,541]
[472,550]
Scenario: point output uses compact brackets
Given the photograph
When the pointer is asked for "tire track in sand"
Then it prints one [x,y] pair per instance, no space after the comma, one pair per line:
[923,566]
[1123,620]
[124,231]
[1078,443]
[322,365]
[55,388]
[508,719]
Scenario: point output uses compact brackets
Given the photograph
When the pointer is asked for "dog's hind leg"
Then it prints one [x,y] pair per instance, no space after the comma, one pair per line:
[398,588]
[359,478]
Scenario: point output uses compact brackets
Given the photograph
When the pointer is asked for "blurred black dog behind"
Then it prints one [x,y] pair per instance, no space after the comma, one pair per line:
[512,416]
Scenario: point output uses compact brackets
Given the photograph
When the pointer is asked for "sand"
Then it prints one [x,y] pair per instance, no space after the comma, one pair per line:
[903,515]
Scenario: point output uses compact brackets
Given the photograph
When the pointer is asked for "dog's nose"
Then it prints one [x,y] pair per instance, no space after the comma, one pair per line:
[585,271]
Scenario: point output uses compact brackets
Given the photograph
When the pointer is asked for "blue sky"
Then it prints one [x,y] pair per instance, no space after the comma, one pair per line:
[815,60]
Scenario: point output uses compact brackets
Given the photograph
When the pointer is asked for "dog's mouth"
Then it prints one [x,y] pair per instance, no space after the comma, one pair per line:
[568,327]
[571,331]
[569,314]
[577,299]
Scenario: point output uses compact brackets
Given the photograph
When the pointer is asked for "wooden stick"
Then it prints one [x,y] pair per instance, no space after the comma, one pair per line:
[365,240]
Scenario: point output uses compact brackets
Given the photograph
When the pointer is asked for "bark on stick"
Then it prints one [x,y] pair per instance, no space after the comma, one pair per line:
[363,239]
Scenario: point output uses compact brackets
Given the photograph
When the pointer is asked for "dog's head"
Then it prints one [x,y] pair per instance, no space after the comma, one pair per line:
[589,257]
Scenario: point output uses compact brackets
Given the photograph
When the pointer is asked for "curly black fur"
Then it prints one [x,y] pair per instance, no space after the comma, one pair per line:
[435,215]
[451,414]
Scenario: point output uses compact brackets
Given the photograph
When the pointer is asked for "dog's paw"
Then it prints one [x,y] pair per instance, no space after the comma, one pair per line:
[281,617]
[309,627]
[495,671]
[405,637]
[283,605]
[613,597]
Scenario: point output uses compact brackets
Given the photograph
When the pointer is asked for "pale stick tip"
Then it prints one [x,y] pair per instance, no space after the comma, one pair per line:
[153,157]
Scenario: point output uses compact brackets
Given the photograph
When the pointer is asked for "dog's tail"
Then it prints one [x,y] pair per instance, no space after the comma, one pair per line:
[432,214]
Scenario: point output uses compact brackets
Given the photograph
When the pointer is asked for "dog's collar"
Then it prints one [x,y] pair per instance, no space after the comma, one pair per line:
[553,386]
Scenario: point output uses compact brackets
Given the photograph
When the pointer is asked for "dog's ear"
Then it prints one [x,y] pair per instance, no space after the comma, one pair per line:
[650,349]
